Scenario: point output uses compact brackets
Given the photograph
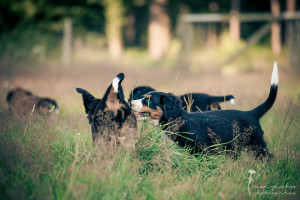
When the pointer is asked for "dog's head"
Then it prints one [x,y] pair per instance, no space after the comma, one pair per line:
[139,92]
[110,116]
[159,105]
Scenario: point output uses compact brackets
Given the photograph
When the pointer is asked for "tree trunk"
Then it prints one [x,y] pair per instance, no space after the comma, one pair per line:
[211,39]
[290,8]
[234,22]
[291,5]
[67,42]
[129,31]
[275,28]
[113,29]
[159,34]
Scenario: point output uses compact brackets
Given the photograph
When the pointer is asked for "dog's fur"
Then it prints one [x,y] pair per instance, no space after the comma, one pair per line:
[111,118]
[199,130]
[193,102]
[22,102]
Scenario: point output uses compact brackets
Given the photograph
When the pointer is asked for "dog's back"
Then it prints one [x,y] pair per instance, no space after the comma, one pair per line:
[22,102]
[195,102]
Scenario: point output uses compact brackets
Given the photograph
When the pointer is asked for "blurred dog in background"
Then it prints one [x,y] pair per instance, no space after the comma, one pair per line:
[22,102]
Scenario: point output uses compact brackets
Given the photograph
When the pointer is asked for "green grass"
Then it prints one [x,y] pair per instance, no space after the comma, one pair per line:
[55,159]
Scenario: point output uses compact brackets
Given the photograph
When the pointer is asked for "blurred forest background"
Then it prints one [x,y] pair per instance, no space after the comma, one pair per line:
[194,35]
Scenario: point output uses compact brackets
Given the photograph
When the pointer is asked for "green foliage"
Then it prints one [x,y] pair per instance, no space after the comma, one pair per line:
[55,159]
[28,43]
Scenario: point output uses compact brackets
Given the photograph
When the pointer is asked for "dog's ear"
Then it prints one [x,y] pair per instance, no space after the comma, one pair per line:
[89,101]
[172,106]
[117,87]
[114,92]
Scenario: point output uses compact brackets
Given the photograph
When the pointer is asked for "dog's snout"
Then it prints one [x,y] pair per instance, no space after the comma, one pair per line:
[136,105]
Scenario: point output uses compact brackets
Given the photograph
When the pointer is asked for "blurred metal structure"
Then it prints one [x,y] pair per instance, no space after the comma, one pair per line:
[189,23]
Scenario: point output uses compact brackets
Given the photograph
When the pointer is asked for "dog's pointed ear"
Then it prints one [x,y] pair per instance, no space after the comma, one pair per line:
[172,106]
[115,91]
[89,101]
[116,84]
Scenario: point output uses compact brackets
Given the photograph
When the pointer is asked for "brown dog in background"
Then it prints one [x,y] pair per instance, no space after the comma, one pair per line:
[22,102]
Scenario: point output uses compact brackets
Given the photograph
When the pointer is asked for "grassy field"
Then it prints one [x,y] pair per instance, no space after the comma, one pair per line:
[55,159]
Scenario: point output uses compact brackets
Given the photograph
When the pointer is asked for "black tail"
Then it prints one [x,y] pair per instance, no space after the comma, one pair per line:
[222,98]
[260,110]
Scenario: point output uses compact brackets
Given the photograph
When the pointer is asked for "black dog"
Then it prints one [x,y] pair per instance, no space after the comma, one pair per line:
[22,102]
[199,130]
[203,102]
[193,101]
[111,117]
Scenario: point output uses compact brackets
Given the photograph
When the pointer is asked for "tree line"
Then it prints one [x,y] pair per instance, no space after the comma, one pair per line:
[148,24]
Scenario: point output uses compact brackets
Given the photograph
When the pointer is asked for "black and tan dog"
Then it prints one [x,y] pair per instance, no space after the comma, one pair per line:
[111,118]
[199,130]
[193,102]
[22,102]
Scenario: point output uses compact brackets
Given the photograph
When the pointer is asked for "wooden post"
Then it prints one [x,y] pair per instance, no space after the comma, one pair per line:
[289,34]
[290,9]
[186,36]
[294,48]
[234,22]
[275,29]
[297,52]
[67,42]
[211,37]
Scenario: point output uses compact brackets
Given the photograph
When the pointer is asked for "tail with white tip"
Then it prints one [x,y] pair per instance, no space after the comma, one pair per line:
[260,110]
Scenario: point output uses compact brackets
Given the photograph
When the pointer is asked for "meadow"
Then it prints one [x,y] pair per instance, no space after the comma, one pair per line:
[55,158]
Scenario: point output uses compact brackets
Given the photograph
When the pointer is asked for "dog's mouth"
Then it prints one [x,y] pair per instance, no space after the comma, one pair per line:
[141,115]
